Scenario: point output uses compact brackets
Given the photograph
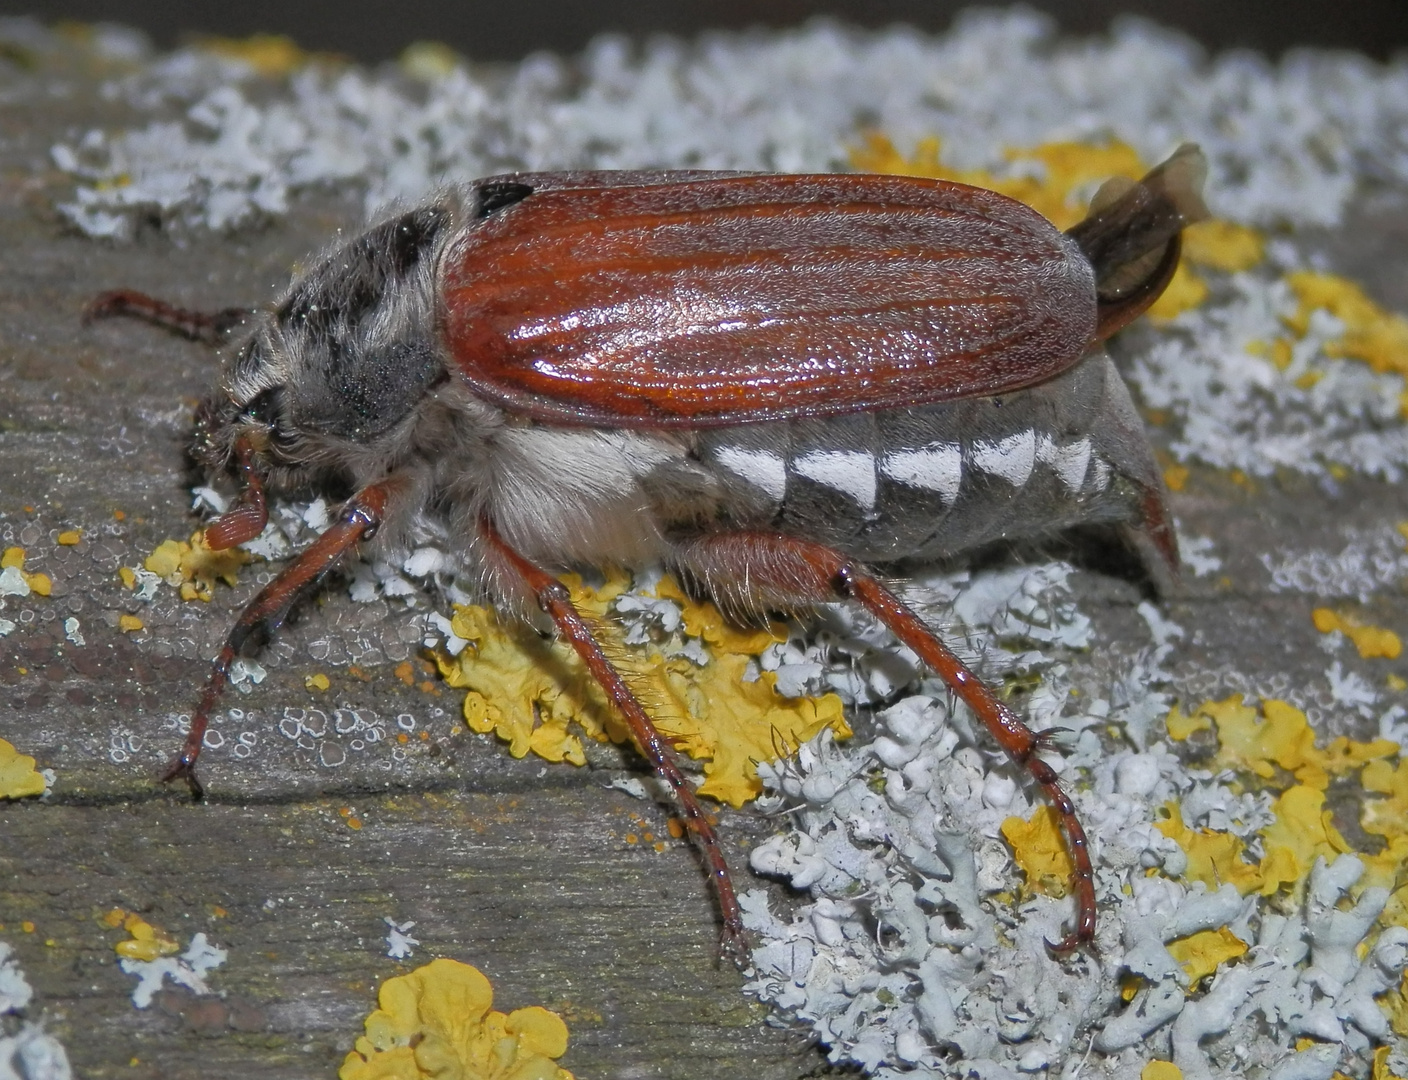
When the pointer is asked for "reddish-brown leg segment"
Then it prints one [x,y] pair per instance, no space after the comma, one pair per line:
[554,599]
[358,520]
[788,569]
[249,515]
[210,327]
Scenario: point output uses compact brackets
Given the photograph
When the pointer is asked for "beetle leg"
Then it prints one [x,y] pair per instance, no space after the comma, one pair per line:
[1158,529]
[209,327]
[249,515]
[785,570]
[553,598]
[358,520]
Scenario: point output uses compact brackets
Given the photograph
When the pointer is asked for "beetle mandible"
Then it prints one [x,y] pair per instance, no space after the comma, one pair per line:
[767,383]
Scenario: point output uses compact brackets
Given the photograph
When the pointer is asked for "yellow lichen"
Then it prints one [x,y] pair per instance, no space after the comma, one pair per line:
[1130,985]
[1203,952]
[69,538]
[438,1021]
[147,942]
[704,620]
[271,55]
[1161,1070]
[1040,849]
[193,567]
[428,60]
[1278,352]
[165,561]
[18,776]
[1381,1069]
[1270,743]
[1395,1002]
[127,576]
[1214,858]
[1184,292]
[1371,334]
[1069,172]
[1387,817]
[317,682]
[1176,477]
[1302,832]
[1279,736]
[39,584]
[1372,641]
[1223,245]
[1181,727]
[1268,746]
[129,624]
[538,696]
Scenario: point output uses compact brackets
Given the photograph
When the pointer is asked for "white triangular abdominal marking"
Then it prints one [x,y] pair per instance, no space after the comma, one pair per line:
[1070,462]
[851,472]
[1011,458]
[935,467]
[761,468]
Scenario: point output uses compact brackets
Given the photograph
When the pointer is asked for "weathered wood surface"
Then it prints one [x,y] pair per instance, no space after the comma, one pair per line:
[522,869]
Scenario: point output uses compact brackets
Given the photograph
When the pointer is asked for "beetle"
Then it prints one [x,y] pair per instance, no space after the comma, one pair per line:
[766,382]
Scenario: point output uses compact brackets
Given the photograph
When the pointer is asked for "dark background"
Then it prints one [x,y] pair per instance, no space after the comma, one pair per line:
[372,30]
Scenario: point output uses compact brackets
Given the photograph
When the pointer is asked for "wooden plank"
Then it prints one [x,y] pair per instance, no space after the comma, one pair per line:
[517,867]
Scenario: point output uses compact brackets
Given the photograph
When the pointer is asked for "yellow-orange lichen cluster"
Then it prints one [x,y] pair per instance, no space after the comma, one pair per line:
[538,696]
[19,778]
[192,567]
[438,1021]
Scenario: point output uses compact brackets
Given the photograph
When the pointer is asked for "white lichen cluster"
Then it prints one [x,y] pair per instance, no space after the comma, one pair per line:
[1369,562]
[189,969]
[399,943]
[1286,141]
[27,1051]
[1233,408]
[911,959]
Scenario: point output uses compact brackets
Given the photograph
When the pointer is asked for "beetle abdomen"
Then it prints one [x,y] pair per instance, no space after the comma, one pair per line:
[936,480]
[739,299]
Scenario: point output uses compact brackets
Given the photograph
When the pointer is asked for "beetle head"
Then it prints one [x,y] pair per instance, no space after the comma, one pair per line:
[340,363]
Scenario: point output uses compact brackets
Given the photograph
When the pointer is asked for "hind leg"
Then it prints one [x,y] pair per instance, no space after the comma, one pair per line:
[783,570]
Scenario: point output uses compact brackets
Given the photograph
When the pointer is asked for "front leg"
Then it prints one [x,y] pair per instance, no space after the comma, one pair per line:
[553,598]
[357,520]
[786,571]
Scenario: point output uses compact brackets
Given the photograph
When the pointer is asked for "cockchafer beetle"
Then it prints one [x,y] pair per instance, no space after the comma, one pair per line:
[764,382]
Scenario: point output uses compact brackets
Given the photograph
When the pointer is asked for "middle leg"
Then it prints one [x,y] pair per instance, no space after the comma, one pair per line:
[552,596]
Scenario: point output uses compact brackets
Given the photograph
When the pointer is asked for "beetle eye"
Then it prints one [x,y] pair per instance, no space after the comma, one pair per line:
[502,193]
[264,407]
